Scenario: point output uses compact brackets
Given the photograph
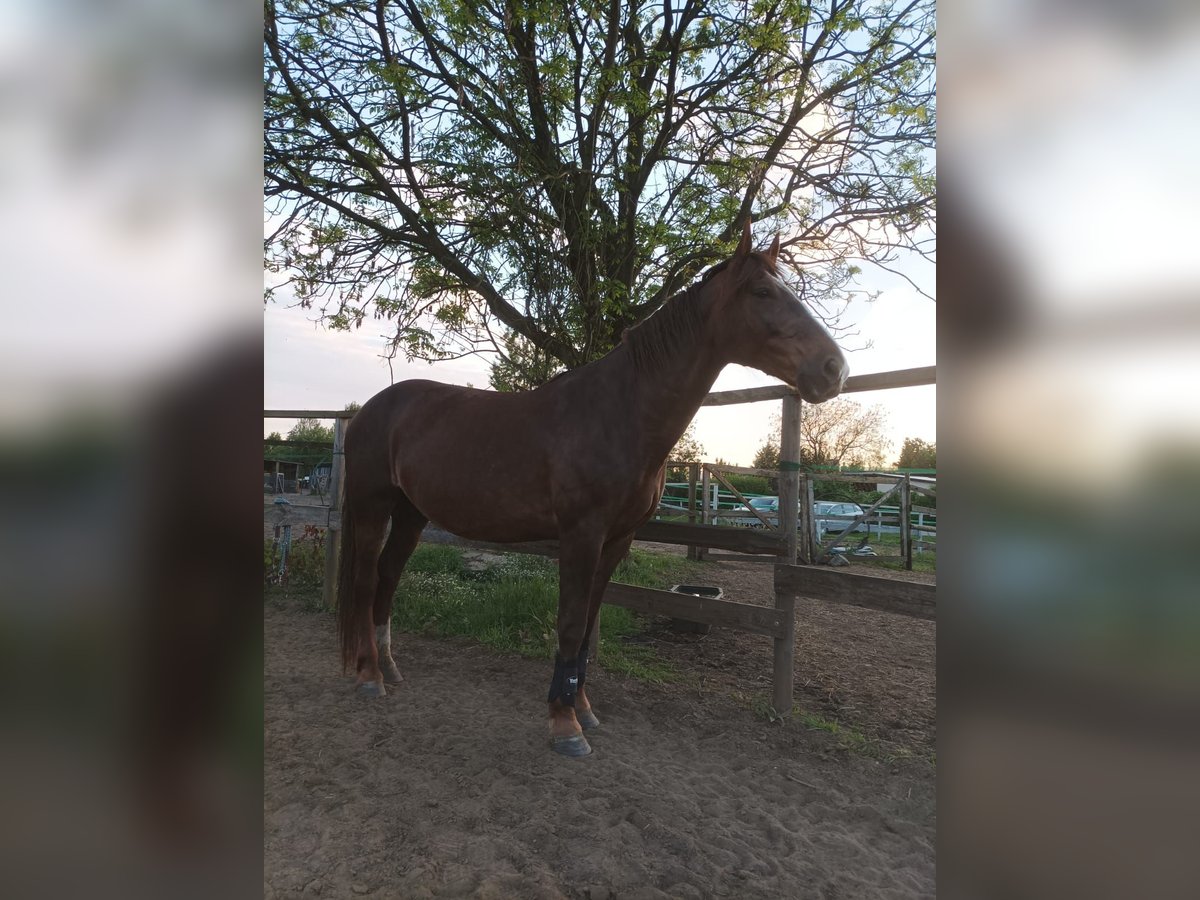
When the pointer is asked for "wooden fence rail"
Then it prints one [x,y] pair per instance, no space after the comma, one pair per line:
[905,597]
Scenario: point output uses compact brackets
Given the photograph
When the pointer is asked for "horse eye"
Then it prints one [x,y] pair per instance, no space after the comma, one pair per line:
[763,291]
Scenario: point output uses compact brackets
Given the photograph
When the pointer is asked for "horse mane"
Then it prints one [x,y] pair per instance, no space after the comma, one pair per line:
[658,337]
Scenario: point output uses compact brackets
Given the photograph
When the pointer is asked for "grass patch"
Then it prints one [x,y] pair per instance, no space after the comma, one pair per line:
[655,570]
[436,559]
[513,606]
[849,738]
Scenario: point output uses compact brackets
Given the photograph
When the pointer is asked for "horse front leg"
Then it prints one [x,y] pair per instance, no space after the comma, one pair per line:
[579,557]
[610,557]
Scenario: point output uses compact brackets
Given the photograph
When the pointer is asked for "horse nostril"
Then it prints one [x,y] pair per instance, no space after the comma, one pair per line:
[835,368]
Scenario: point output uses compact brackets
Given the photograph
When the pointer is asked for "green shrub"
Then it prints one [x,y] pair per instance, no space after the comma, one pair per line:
[844,492]
[750,484]
[305,562]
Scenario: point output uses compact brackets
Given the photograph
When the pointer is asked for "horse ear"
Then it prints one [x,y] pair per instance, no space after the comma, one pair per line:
[773,253]
[743,248]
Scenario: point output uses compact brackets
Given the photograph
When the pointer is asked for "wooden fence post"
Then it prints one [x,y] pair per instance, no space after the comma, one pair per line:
[333,532]
[705,516]
[692,476]
[789,519]
[789,476]
[807,533]
[906,522]
[785,656]
[693,552]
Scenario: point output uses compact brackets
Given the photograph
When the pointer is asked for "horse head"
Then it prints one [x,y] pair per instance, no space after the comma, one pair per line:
[761,323]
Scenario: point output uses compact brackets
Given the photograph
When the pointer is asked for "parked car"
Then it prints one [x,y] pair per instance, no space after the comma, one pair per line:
[827,516]
[768,506]
[833,517]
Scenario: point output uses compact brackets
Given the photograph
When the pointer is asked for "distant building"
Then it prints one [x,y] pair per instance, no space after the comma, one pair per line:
[281,476]
[918,478]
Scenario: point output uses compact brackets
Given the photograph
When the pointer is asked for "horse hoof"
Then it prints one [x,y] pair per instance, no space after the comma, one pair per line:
[575,745]
[391,675]
[371,689]
[587,719]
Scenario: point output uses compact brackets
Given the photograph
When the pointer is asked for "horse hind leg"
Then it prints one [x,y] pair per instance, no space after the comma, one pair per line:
[369,531]
[407,524]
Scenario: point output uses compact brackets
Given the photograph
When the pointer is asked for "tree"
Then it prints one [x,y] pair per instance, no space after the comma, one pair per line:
[521,366]
[917,454]
[767,457]
[275,451]
[687,449]
[833,434]
[309,442]
[533,178]
[841,432]
[311,431]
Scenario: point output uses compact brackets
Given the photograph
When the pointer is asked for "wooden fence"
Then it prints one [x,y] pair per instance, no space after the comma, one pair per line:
[704,479]
[790,542]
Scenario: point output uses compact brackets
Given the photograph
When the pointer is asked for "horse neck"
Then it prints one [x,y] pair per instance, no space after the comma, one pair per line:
[666,394]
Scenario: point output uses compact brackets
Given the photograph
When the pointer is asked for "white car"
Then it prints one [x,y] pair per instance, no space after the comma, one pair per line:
[827,515]
[833,517]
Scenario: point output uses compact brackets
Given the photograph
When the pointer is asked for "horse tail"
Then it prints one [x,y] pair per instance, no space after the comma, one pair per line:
[349,612]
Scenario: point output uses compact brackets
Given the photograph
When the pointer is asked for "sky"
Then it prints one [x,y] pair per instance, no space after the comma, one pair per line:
[309,367]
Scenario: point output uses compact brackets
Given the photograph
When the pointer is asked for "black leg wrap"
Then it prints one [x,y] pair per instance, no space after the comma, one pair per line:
[583,663]
[566,681]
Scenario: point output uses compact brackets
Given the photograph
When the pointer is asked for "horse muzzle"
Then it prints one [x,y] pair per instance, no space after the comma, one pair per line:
[823,383]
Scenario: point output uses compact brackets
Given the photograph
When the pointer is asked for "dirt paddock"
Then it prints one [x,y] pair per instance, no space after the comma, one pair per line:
[446,787]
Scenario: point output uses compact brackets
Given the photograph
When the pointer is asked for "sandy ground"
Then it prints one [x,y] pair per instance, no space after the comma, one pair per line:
[870,670]
[446,787]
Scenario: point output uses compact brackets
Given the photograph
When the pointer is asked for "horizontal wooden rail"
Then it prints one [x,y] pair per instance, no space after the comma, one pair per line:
[741,540]
[899,378]
[298,514]
[906,597]
[879,477]
[763,541]
[309,413]
[875,381]
[705,610]
[284,442]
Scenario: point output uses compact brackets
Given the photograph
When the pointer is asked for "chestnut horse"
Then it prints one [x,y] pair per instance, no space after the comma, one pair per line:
[580,460]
